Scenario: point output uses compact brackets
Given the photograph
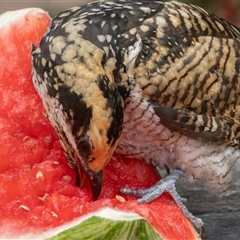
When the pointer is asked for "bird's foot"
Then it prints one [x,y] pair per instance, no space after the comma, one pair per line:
[166,184]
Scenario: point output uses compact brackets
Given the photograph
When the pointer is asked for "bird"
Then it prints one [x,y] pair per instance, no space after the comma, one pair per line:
[148,79]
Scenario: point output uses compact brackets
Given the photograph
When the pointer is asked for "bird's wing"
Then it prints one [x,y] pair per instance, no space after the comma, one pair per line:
[189,68]
[203,127]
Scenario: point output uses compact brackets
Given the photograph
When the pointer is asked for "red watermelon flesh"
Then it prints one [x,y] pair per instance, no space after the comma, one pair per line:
[37,186]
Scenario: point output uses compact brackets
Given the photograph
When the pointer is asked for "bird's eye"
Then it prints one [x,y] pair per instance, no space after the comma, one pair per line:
[84,147]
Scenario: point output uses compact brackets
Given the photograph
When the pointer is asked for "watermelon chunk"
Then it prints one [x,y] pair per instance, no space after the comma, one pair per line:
[37,187]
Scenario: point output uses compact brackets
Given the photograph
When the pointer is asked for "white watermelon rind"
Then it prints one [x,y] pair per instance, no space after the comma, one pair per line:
[12,16]
[106,223]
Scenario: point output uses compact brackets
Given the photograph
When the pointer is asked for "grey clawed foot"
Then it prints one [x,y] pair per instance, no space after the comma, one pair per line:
[166,184]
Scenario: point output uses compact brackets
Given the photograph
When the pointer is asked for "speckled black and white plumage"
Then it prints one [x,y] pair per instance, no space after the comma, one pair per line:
[147,79]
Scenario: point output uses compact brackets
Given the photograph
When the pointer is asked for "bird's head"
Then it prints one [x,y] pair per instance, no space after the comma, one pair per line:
[96,139]
[75,81]
[91,124]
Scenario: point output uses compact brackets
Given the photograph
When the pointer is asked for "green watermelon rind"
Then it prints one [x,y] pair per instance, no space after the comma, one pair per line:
[107,224]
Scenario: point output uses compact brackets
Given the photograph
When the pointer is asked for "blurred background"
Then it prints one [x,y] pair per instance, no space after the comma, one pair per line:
[228,9]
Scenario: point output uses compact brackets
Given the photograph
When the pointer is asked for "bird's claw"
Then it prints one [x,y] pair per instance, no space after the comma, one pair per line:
[201,231]
[166,184]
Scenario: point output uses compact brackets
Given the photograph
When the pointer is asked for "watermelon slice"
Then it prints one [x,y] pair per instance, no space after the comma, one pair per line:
[38,196]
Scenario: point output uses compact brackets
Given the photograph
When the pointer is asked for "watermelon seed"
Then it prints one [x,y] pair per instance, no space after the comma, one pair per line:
[24,207]
[55,162]
[120,198]
[26,138]
[54,214]
[39,174]
[46,195]
[67,177]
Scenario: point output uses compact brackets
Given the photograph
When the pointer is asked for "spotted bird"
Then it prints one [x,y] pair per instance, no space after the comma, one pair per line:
[147,79]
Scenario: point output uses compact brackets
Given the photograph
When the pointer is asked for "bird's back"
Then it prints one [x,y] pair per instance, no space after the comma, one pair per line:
[176,67]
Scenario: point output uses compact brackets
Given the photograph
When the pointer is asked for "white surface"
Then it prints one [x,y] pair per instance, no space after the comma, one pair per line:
[105,212]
